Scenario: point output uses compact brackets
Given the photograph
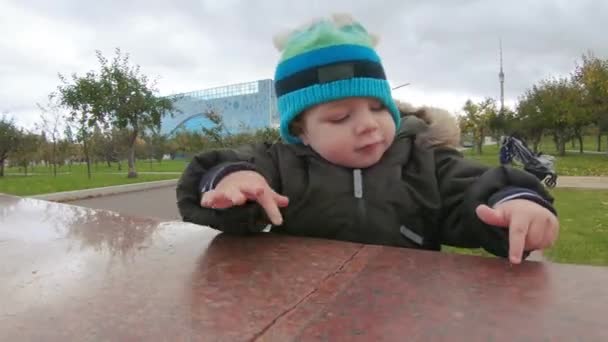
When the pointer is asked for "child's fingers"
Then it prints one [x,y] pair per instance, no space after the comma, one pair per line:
[535,238]
[236,196]
[550,232]
[267,201]
[518,230]
[261,193]
[207,199]
[491,216]
[281,201]
[216,199]
[252,191]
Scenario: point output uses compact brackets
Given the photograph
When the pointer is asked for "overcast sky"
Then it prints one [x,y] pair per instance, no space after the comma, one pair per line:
[447,50]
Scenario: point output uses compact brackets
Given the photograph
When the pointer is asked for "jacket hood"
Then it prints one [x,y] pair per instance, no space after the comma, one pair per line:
[433,127]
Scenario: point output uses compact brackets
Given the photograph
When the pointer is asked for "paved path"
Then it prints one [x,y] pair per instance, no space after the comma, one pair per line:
[582,182]
[160,202]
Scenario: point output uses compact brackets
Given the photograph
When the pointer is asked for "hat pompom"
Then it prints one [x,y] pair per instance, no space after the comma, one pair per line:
[342,19]
[280,39]
[338,20]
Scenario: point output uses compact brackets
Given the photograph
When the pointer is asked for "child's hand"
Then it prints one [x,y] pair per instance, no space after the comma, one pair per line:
[530,225]
[238,187]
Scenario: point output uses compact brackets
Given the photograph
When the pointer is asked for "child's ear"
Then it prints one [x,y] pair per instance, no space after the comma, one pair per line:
[304,137]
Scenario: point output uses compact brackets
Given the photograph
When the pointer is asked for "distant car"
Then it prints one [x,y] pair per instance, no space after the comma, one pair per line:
[467,144]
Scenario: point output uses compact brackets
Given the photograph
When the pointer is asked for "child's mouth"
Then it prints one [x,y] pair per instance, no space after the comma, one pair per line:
[368,148]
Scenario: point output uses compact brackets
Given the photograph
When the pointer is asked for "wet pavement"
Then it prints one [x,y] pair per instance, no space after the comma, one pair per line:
[159,203]
[73,273]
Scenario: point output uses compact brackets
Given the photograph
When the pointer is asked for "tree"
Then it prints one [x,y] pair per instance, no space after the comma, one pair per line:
[580,114]
[556,105]
[83,98]
[156,145]
[560,102]
[129,100]
[50,124]
[26,149]
[267,134]
[67,147]
[119,97]
[592,76]
[476,120]
[529,120]
[8,140]
[218,132]
[185,142]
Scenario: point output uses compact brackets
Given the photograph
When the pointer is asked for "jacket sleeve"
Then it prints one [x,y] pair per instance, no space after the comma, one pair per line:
[465,184]
[242,219]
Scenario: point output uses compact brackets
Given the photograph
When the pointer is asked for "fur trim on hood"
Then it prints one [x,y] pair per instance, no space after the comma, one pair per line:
[438,126]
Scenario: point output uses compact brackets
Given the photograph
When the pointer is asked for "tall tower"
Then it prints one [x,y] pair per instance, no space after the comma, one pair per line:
[501,78]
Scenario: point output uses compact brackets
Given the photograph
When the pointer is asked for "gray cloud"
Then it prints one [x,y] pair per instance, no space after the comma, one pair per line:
[446,49]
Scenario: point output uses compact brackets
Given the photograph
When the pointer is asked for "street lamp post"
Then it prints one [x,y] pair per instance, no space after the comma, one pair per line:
[401,85]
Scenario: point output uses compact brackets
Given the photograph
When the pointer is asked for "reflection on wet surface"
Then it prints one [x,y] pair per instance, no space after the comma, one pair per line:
[97,229]
[72,273]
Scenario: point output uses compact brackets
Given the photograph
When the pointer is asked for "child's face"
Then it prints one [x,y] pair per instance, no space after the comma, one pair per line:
[353,132]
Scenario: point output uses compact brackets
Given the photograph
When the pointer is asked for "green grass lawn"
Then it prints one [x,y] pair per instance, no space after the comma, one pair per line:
[40,179]
[141,166]
[42,184]
[583,238]
[589,144]
[572,164]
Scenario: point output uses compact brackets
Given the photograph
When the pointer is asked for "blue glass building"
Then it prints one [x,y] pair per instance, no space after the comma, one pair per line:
[243,107]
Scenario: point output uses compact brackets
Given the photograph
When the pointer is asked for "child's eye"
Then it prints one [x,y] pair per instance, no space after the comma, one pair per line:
[339,119]
[376,107]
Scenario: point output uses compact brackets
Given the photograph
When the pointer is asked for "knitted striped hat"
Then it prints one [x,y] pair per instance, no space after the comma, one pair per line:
[328,60]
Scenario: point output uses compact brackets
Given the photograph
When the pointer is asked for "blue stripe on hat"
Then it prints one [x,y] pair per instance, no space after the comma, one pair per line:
[324,56]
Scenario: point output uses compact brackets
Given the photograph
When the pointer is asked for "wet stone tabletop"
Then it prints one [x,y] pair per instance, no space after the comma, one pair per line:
[77,274]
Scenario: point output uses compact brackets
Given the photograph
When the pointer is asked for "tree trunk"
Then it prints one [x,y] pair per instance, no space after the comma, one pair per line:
[86,157]
[496,139]
[580,143]
[556,141]
[535,144]
[561,146]
[131,162]
[2,168]
[131,159]
[479,147]
[54,159]
[599,140]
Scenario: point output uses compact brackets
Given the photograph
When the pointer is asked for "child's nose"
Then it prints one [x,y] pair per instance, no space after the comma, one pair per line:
[366,123]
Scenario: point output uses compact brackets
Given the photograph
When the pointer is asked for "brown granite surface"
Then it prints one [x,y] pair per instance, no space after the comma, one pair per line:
[73,273]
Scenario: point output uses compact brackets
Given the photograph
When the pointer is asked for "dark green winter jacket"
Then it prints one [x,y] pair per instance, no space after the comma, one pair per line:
[420,197]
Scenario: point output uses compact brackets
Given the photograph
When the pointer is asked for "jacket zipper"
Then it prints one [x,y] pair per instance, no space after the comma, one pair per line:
[358,194]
